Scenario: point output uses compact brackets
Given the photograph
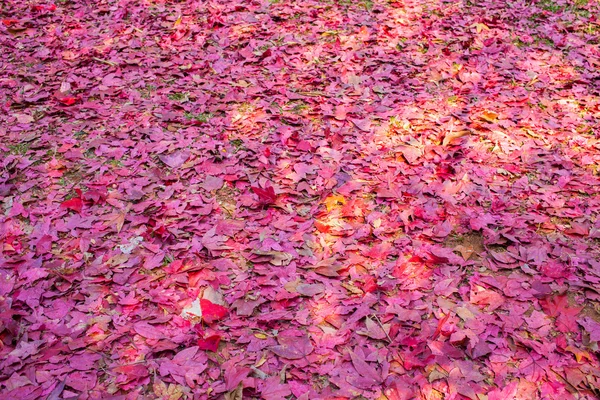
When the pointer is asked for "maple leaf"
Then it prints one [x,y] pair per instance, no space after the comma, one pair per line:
[322,227]
[43,7]
[379,251]
[176,159]
[566,316]
[9,21]
[66,99]
[75,203]
[148,331]
[489,116]
[212,312]
[186,366]
[452,137]
[591,327]
[340,113]
[266,196]
[292,347]
[310,290]
[210,343]
[368,375]
[334,201]
[373,330]
[274,389]
[369,284]
[440,325]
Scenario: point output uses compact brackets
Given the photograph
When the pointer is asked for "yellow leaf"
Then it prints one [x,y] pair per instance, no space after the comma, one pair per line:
[489,116]
[174,392]
[579,354]
[260,335]
[451,136]
[480,27]
[334,201]
[262,360]
[160,388]
[351,288]
[177,23]
[242,83]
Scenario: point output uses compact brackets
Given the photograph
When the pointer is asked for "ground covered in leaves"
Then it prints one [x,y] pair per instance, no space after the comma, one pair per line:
[325,199]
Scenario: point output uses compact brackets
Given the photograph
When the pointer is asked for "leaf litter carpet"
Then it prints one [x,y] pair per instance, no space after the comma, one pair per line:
[299,200]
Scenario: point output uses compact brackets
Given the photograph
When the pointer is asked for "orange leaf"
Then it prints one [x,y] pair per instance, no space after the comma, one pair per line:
[489,116]
[334,201]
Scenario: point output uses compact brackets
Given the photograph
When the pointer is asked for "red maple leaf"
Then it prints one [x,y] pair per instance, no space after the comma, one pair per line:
[369,284]
[210,343]
[321,227]
[42,7]
[212,312]
[67,101]
[265,196]
[566,316]
[9,21]
[75,203]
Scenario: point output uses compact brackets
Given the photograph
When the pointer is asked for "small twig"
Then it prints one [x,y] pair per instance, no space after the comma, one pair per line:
[112,64]
[562,378]
[382,328]
[313,93]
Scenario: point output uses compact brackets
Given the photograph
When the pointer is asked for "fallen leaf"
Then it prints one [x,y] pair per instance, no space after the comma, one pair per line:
[210,343]
[292,347]
[212,312]
[175,159]
[266,196]
[148,331]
